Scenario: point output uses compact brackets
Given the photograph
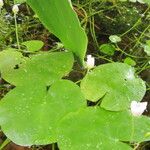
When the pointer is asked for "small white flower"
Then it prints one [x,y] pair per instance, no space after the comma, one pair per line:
[137,108]
[15,9]
[90,61]
[1,3]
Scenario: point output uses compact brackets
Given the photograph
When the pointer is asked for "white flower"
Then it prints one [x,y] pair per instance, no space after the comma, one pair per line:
[1,3]
[137,108]
[90,61]
[15,9]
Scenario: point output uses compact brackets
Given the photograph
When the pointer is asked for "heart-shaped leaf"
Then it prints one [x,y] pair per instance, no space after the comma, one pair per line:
[116,83]
[9,59]
[33,45]
[98,129]
[29,114]
[44,68]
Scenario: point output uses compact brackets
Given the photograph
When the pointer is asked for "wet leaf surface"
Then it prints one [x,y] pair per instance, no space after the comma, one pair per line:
[96,128]
[116,82]
[29,114]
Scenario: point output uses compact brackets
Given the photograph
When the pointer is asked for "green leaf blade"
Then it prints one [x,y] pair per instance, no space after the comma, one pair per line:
[34,111]
[116,82]
[96,128]
[60,19]
[44,68]
[33,45]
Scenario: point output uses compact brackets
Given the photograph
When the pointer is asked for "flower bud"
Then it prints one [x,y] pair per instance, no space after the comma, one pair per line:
[90,61]
[15,9]
[137,108]
[1,3]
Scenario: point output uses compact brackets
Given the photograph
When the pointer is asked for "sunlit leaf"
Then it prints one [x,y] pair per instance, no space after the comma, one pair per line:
[98,129]
[33,45]
[44,68]
[108,49]
[129,61]
[9,59]
[116,83]
[29,114]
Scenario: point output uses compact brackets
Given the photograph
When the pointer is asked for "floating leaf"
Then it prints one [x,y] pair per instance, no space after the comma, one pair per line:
[98,129]
[44,68]
[60,19]
[33,45]
[29,114]
[116,82]
[9,59]
[108,49]
[114,39]
[129,61]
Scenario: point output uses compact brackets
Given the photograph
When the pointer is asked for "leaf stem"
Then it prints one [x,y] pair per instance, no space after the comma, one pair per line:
[16,31]
[53,146]
[7,141]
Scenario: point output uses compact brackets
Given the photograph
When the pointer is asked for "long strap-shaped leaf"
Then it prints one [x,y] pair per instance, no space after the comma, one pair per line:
[59,18]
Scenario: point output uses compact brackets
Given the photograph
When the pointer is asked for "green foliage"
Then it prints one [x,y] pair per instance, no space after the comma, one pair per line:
[41,98]
[29,114]
[43,68]
[60,19]
[9,58]
[19,1]
[147,47]
[115,83]
[107,49]
[96,128]
[44,107]
[129,61]
[33,45]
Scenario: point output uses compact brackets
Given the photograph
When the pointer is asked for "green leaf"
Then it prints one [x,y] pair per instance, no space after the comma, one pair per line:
[147,47]
[60,19]
[98,129]
[44,68]
[19,1]
[129,61]
[29,114]
[9,59]
[33,45]
[114,39]
[116,83]
[108,49]
[147,1]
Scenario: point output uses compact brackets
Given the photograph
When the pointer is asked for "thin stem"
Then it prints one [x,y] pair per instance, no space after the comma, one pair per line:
[136,24]
[53,146]
[138,40]
[7,141]
[101,57]
[133,56]
[16,31]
